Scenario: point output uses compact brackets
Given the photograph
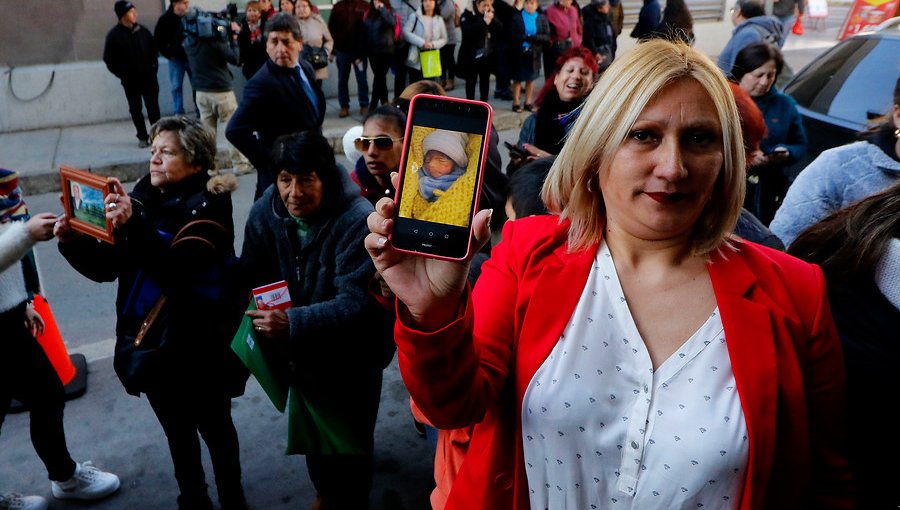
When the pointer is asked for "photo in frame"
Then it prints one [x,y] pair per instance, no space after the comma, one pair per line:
[83,201]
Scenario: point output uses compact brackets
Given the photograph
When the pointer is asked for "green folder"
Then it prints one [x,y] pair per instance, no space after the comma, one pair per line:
[315,429]
[248,350]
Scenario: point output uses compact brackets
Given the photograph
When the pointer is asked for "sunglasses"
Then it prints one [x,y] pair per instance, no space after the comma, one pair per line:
[382,143]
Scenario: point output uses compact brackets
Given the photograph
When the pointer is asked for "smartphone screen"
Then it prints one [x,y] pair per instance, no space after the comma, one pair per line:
[443,158]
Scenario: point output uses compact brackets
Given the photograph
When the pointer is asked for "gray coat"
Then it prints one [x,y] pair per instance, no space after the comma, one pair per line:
[336,326]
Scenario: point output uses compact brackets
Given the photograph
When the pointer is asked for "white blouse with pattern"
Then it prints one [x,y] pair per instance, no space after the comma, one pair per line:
[602,430]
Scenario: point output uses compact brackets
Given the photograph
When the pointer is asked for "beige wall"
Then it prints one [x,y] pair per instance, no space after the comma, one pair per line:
[35,32]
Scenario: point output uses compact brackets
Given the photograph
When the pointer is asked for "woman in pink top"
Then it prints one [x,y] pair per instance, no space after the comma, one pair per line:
[565,32]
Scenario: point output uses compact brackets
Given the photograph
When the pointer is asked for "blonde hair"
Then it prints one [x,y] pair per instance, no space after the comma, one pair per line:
[607,116]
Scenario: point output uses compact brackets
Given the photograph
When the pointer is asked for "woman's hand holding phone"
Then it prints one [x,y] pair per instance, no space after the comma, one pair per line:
[430,288]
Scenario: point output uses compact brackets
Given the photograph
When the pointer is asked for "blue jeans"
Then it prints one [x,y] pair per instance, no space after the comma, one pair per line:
[344,64]
[177,70]
[787,26]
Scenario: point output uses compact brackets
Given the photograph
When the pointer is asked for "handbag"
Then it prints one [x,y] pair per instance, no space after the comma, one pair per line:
[412,56]
[563,45]
[317,56]
[140,360]
[797,29]
[431,63]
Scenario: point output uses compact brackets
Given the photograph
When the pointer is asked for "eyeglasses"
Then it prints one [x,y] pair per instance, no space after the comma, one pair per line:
[382,143]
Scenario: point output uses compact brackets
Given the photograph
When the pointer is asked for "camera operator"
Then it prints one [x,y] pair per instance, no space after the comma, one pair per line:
[210,43]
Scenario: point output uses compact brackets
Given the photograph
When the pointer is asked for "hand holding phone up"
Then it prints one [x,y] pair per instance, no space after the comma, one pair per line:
[431,289]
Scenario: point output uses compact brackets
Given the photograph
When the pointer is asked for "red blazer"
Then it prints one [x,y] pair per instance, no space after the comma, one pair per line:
[781,339]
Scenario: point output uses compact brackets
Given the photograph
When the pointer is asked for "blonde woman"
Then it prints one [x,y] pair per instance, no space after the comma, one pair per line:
[630,352]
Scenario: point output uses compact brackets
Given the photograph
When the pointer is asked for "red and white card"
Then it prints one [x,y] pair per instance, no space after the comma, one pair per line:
[274,296]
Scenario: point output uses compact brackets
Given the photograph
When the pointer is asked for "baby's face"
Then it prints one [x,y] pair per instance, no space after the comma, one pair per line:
[437,164]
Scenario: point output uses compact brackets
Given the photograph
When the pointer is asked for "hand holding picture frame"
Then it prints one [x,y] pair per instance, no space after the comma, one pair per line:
[83,201]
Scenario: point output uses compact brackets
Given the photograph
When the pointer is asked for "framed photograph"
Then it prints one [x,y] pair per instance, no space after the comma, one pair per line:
[83,195]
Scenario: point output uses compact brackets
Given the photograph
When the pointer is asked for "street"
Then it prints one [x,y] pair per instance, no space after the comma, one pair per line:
[120,433]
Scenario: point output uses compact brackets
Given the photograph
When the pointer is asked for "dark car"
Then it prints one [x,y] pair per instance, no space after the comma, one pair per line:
[846,87]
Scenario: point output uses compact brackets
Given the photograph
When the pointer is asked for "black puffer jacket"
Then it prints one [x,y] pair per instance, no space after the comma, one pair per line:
[380,27]
[130,53]
[479,41]
[191,330]
[168,36]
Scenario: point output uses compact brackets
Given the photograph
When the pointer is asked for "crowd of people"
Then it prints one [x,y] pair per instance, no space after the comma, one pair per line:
[636,318]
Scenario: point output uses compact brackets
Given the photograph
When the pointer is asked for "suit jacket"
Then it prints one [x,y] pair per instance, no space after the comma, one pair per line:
[782,343]
[274,104]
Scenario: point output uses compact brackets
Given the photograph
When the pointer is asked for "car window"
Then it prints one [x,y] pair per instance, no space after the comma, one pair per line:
[870,87]
[813,81]
[855,78]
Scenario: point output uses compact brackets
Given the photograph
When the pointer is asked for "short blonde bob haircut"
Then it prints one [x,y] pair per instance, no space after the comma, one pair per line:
[608,114]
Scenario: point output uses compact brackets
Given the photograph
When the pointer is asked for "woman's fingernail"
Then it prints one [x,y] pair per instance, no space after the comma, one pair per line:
[384,222]
[382,241]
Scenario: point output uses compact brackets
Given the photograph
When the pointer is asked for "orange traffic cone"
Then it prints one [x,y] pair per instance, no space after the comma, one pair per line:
[52,342]
[798,25]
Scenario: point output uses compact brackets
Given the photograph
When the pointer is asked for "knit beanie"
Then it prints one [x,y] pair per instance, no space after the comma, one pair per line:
[451,143]
[122,7]
[12,207]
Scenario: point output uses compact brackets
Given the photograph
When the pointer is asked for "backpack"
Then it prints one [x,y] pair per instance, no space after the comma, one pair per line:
[767,36]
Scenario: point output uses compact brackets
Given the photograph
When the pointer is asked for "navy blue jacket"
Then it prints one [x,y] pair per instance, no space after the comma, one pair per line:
[274,104]
[649,20]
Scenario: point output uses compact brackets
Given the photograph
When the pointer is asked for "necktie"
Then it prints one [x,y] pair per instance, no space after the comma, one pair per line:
[307,88]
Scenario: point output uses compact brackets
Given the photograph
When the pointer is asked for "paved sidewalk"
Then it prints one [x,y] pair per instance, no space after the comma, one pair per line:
[111,149]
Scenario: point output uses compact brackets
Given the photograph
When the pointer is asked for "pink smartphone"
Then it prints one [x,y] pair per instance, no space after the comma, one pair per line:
[441,169]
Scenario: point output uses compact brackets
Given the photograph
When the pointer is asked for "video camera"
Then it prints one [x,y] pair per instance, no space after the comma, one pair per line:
[205,25]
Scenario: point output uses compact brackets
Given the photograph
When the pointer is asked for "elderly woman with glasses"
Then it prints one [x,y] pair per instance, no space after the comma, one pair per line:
[627,351]
[174,239]
[335,339]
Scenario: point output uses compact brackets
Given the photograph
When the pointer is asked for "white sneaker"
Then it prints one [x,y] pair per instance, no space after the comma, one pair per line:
[13,501]
[88,482]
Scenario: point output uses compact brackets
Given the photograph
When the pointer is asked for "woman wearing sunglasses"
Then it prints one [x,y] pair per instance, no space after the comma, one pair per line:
[381,144]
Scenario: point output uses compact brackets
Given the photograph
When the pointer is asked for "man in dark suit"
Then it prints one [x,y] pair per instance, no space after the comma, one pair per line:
[281,98]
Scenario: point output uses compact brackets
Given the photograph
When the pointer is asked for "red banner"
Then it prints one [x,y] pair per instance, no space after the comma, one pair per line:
[866,15]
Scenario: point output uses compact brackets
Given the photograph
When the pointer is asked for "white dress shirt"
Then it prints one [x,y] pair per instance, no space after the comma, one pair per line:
[602,430]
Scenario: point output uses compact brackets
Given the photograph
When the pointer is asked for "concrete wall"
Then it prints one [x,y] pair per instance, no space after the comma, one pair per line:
[47,96]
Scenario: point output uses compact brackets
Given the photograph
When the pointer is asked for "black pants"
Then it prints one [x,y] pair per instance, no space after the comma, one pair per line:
[503,66]
[400,71]
[27,375]
[448,62]
[414,74]
[549,55]
[380,64]
[148,90]
[481,72]
[344,481]
[183,413]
